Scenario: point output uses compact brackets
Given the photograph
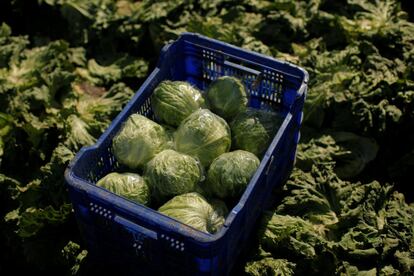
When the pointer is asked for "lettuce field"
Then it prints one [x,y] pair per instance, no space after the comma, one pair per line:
[67,67]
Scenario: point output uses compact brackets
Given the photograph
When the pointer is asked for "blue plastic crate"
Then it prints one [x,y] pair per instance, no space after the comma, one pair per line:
[140,240]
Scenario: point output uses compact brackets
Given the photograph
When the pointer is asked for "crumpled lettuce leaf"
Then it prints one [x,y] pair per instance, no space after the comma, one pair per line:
[348,269]
[74,256]
[121,68]
[270,266]
[347,152]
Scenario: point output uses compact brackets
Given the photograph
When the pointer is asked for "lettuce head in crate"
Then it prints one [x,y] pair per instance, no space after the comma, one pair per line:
[254,129]
[194,210]
[138,141]
[230,173]
[171,173]
[173,101]
[204,135]
[129,185]
[227,97]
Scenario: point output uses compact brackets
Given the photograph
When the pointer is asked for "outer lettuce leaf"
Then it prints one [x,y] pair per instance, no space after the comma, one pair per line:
[346,151]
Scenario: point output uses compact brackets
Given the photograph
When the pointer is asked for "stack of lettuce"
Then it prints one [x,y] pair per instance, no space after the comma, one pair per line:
[189,173]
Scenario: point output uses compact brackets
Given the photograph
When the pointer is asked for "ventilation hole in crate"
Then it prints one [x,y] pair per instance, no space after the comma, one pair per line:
[218,69]
[99,170]
[146,109]
[112,160]
[100,163]
[177,246]
[117,164]
[211,71]
[209,55]
[271,87]
[138,243]
[173,243]
[91,177]
[99,210]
